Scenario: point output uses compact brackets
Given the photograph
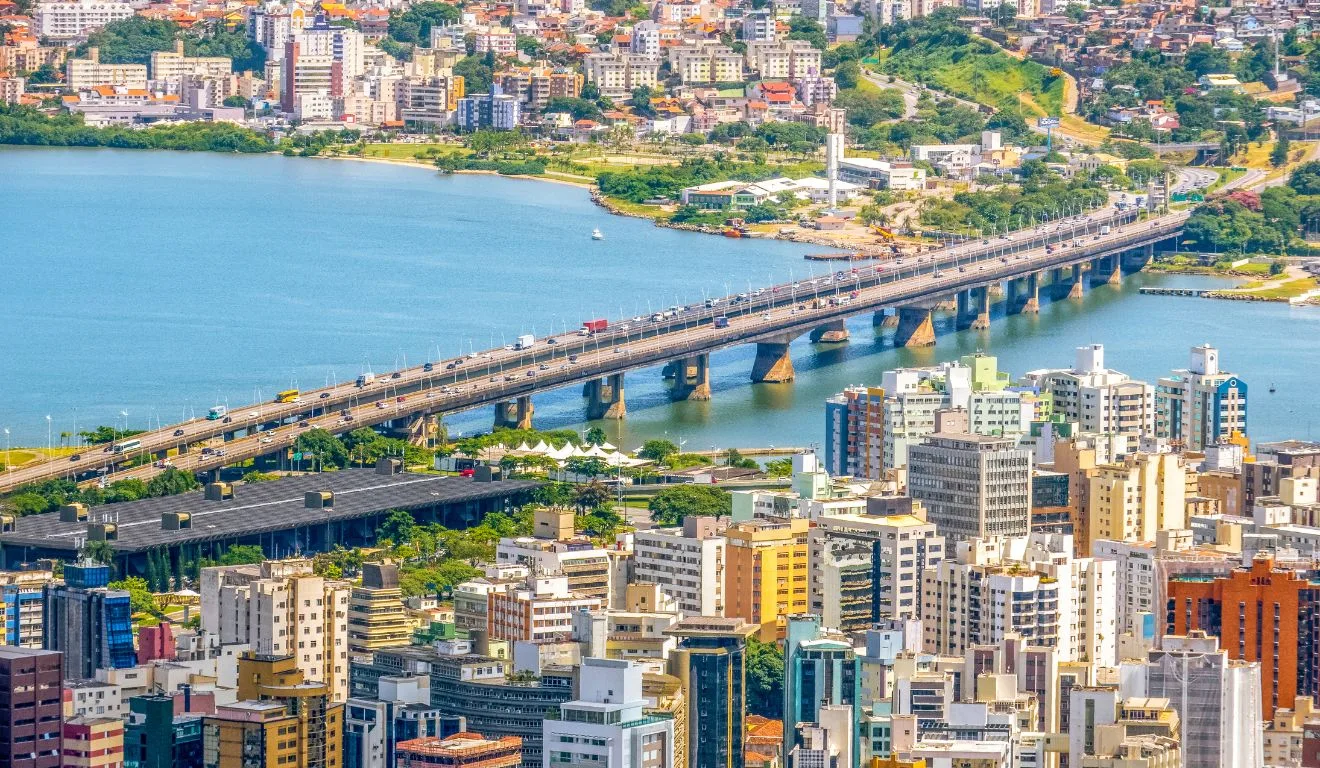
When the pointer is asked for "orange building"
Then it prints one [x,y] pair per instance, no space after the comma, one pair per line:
[765,573]
[1260,614]
[462,750]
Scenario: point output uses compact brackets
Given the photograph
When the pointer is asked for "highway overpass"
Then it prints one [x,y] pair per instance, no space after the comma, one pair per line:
[902,293]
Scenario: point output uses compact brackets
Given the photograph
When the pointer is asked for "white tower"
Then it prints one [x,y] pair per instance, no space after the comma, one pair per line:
[833,154]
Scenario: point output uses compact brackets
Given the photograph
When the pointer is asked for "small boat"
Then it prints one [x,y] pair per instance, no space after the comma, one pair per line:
[596,234]
[1271,387]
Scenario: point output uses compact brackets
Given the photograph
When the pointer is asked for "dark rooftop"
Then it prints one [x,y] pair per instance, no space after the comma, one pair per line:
[261,508]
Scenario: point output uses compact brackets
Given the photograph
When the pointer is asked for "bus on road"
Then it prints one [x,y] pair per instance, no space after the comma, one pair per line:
[287,396]
[126,445]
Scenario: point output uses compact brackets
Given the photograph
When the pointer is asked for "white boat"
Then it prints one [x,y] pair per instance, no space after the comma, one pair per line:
[596,234]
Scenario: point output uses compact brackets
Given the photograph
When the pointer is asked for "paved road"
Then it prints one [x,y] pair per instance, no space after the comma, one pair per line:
[495,375]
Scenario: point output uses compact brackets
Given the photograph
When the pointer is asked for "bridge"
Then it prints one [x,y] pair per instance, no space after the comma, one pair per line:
[902,294]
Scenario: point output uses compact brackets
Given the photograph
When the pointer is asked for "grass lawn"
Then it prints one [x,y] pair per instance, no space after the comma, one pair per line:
[1283,291]
[1225,175]
[639,209]
[983,73]
[410,151]
[20,456]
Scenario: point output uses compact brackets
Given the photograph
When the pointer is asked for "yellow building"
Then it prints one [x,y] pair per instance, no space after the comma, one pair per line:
[278,722]
[376,614]
[1134,500]
[765,576]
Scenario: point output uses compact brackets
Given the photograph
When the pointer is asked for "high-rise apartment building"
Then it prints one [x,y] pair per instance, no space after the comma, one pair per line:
[77,18]
[765,574]
[1262,614]
[22,607]
[607,725]
[867,568]
[854,434]
[31,713]
[91,624]
[280,719]
[1217,700]
[1135,499]
[820,670]
[376,616]
[1097,398]
[280,608]
[972,485]
[1029,586]
[93,742]
[711,664]
[539,611]
[688,563]
[1200,405]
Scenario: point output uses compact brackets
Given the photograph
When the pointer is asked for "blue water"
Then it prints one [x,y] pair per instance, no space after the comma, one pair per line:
[159,284]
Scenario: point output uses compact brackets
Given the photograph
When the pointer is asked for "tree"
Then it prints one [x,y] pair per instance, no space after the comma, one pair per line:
[804,28]
[476,74]
[591,496]
[99,551]
[671,505]
[242,554]
[847,74]
[588,466]
[131,40]
[779,468]
[398,527]
[595,436]
[734,458]
[1305,178]
[235,101]
[1279,155]
[171,482]
[765,679]
[641,101]
[324,448]
[140,599]
[657,450]
[414,25]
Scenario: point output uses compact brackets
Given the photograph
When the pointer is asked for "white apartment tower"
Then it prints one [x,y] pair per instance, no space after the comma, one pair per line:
[280,608]
[687,563]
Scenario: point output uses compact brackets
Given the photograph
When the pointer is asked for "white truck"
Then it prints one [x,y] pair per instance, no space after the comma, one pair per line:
[524,341]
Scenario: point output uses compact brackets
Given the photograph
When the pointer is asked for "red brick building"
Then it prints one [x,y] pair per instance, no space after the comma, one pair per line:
[1260,614]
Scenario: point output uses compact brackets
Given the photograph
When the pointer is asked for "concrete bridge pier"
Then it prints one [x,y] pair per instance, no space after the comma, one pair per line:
[963,308]
[915,328]
[692,378]
[947,304]
[1031,291]
[995,290]
[882,320]
[1078,289]
[514,414]
[1110,268]
[773,364]
[981,303]
[832,333]
[605,398]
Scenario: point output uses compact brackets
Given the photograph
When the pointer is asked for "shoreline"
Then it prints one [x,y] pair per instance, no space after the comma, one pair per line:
[802,238]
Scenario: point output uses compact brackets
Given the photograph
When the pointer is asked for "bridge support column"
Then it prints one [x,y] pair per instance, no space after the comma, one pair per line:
[605,398]
[1031,305]
[914,328]
[514,414]
[947,304]
[1078,289]
[995,290]
[773,364]
[963,309]
[981,301]
[1111,269]
[882,320]
[832,333]
[691,379]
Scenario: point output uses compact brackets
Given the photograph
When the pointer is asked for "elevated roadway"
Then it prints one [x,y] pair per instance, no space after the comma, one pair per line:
[770,317]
